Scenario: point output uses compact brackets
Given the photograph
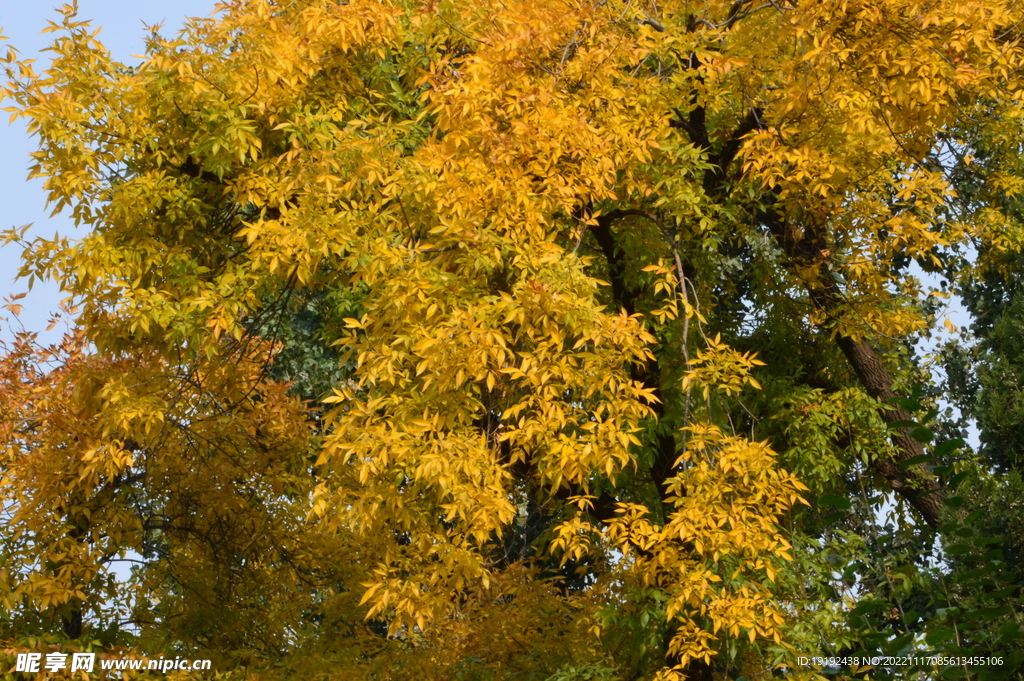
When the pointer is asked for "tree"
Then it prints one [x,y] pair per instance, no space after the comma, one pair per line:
[600,312]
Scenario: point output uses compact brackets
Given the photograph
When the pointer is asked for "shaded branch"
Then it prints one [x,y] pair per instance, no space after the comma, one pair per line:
[807,250]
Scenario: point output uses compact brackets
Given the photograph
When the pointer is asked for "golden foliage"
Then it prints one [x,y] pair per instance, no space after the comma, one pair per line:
[487,194]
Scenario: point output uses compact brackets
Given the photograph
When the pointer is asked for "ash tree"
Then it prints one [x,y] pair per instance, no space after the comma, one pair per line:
[494,340]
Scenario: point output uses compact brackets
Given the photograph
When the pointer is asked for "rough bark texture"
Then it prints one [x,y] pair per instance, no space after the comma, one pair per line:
[806,249]
[913,483]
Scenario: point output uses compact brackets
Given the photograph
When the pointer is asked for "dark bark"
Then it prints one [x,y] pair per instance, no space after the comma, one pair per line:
[648,374]
[71,612]
[192,169]
[807,250]
[72,623]
[714,178]
[913,482]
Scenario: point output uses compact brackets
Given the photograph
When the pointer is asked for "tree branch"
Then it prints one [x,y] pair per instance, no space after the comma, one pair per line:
[808,251]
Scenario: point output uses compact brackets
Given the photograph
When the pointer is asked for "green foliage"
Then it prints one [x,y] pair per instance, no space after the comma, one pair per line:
[508,340]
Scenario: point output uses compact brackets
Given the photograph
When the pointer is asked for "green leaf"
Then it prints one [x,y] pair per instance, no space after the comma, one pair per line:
[835,501]
[988,541]
[922,435]
[1009,629]
[899,643]
[947,447]
[867,607]
[955,480]
[940,635]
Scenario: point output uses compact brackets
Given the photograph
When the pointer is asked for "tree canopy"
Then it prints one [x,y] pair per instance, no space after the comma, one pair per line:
[523,340]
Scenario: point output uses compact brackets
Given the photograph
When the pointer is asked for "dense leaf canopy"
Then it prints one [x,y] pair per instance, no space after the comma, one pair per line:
[521,340]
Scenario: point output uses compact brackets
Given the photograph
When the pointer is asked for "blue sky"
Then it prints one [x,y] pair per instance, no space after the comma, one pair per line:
[22,201]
